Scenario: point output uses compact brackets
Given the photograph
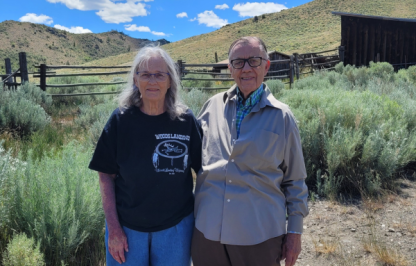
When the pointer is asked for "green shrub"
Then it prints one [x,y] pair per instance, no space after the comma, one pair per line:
[358,129]
[195,99]
[57,202]
[93,119]
[89,114]
[96,129]
[22,251]
[382,70]
[48,140]
[35,94]
[275,86]
[21,111]
[8,165]
[411,71]
[339,68]
[78,100]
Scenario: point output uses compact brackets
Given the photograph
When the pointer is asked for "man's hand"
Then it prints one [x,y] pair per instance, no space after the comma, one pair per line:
[117,244]
[291,248]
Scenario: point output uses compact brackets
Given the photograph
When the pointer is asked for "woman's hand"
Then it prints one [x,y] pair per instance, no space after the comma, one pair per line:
[117,240]
[117,244]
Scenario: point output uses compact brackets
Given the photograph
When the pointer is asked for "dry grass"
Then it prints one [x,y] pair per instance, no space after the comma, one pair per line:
[404,202]
[372,205]
[407,226]
[325,246]
[388,256]
[411,228]
[340,208]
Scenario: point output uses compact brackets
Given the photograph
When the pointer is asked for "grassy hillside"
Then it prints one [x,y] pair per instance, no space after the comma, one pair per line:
[58,47]
[306,28]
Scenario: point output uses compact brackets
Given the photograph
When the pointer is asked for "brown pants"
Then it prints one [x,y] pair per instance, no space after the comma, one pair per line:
[212,253]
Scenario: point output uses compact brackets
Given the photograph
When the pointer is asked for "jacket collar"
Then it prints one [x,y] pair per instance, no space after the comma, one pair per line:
[267,99]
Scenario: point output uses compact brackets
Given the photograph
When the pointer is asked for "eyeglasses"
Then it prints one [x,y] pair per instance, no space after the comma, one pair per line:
[160,76]
[252,61]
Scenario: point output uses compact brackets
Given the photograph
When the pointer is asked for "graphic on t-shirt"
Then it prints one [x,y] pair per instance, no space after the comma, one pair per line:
[170,149]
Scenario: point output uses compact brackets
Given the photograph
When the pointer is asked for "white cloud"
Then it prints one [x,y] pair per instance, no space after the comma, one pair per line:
[158,33]
[192,19]
[109,11]
[32,17]
[210,19]
[182,15]
[134,27]
[76,30]
[256,8]
[223,6]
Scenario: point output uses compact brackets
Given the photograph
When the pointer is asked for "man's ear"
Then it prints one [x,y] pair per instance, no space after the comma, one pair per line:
[267,67]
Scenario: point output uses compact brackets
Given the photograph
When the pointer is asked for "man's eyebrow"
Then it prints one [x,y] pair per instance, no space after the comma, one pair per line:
[247,57]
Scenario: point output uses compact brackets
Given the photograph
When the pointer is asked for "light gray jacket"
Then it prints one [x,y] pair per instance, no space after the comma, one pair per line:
[246,185]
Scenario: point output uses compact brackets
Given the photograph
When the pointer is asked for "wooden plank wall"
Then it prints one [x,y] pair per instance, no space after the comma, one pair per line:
[276,67]
[364,38]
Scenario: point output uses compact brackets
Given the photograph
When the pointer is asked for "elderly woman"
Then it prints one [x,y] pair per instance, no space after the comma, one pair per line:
[143,159]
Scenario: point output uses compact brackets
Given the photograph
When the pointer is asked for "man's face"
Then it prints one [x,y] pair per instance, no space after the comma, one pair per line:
[248,78]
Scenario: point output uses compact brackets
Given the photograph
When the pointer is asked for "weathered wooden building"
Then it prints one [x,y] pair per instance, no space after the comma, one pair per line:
[378,39]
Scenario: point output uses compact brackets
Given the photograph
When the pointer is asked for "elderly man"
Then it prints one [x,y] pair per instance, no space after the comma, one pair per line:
[253,174]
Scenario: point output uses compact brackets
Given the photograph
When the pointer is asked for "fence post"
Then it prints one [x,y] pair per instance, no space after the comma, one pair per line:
[216,57]
[9,71]
[180,69]
[291,70]
[341,53]
[43,77]
[23,67]
[297,65]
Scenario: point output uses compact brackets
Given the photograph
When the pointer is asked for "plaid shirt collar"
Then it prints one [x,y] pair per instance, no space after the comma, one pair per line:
[252,100]
[244,107]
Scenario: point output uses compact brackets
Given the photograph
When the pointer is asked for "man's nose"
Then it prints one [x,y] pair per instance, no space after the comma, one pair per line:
[246,66]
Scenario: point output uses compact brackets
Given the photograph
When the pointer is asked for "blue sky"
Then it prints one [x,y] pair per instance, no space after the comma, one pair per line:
[149,19]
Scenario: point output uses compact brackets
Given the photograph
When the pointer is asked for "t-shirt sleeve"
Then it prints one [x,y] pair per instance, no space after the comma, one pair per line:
[104,158]
[196,144]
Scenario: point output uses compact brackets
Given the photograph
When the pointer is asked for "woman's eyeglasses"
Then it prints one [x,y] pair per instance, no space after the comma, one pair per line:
[252,61]
[145,76]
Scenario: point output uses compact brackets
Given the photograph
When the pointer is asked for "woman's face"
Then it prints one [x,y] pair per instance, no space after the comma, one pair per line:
[152,87]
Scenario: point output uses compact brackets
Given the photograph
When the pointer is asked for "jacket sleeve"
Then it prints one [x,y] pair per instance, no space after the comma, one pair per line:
[293,184]
[196,144]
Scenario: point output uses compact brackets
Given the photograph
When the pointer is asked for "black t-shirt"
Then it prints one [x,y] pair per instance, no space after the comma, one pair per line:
[152,157]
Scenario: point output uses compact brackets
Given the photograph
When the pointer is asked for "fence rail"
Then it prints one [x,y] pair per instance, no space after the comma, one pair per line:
[82,67]
[83,74]
[297,65]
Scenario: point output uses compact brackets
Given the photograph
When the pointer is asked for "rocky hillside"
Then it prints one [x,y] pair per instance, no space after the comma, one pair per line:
[57,47]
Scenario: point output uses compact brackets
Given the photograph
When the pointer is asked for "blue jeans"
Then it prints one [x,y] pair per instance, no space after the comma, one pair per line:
[169,247]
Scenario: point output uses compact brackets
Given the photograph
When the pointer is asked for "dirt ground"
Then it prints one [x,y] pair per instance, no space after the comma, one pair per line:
[365,232]
[362,232]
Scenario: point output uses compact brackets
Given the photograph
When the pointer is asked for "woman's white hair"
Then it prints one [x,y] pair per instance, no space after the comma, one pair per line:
[131,95]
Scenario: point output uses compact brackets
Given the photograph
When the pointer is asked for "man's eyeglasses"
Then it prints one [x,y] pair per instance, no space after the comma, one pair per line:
[146,76]
[252,61]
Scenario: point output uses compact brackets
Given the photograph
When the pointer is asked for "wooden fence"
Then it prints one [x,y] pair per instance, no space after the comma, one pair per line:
[298,65]
[9,79]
